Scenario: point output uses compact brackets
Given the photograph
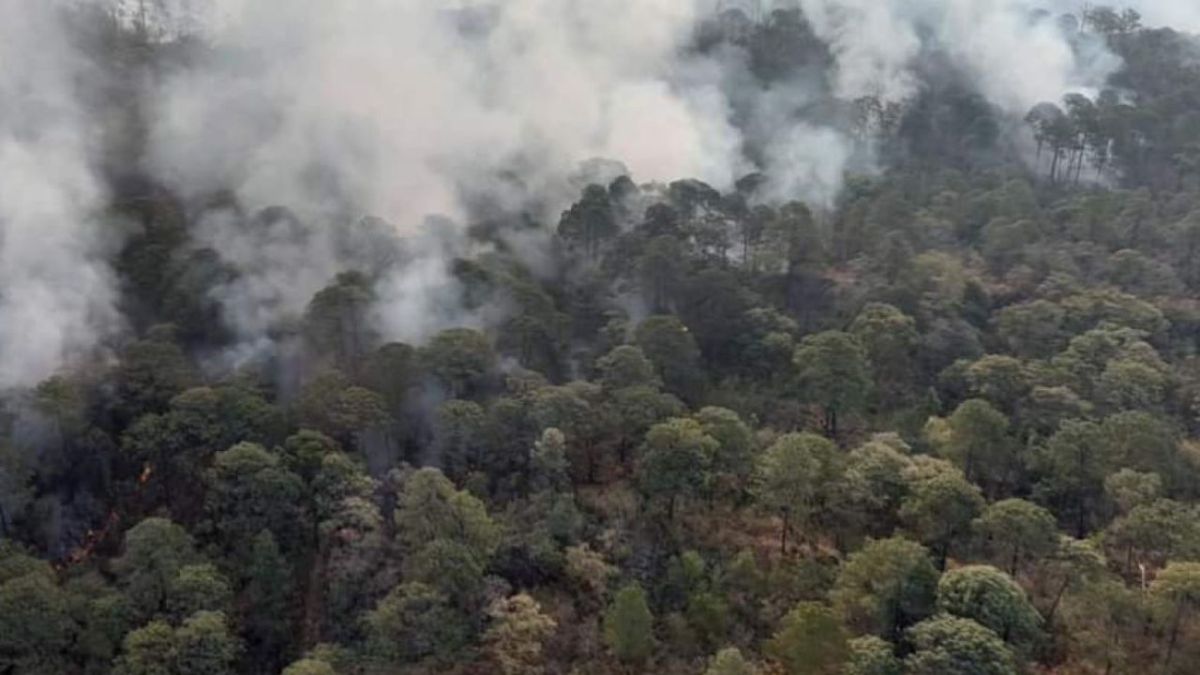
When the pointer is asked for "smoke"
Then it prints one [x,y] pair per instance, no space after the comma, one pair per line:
[57,296]
[461,109]
[1016,55]
[403,110]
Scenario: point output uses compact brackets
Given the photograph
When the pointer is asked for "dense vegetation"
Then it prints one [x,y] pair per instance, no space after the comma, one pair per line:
[949,425]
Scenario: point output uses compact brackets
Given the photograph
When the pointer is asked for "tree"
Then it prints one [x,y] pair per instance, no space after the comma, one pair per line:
[1015,531]
[889,338]
[733,461]
[666,341]
[197,588]
[628,625]
[155,550]
[1177,586]
[992,599]
[675,460]
[833,372]
[810,641]
[1129,489]
[978,443]
[950,645]
[627,366]
[415,621]
[149,650]
[430,508]
[792,473]
[589,222]
[461,359]
[729,661]
[867,498]
[337,320]
[204,646]
[37,631]
[939,511]
[308,666]
[1072,466]
[870,655]
[885,587]
[250,490]
[518,630]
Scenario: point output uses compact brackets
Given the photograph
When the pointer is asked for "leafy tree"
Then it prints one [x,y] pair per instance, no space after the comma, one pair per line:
[627,366]
[430,508]
[1177,586]
[868,496]
[1129,489]
[729,661]
[885,587]
[250,490]
[204,646]
[792,473]
[155,551]
[992,599]
[1072,466]
[833,372]
[939,511]
[309,666]
[890,340]
[870,655]
[1016,532]
[978,442]
[949,645]
[628,625]
[149,650]
[733,461]
[516,636]
[461,359]
[675,460]
[37,632]
[197,588]
[415,621]
[810,640]
[666,341]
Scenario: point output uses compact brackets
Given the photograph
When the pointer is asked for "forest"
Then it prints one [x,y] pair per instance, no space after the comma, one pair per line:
[944,420]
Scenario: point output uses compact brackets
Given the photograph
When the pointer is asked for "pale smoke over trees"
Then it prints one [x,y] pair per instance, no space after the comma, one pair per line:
[56,292]
[403,110]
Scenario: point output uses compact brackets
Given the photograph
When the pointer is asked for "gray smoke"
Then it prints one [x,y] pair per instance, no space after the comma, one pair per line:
[57,296]
[404,109]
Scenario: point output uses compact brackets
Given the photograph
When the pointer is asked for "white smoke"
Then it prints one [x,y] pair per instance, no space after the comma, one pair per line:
[56,293]
[1017,57]
[402,108]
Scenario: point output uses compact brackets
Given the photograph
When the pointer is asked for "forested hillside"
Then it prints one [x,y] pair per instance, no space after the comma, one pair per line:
[919,395]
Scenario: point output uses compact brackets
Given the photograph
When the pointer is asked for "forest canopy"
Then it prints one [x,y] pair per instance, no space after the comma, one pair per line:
[801,338]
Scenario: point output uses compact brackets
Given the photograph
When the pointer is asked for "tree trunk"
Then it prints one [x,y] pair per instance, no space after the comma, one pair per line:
[1062,590]
[1175,625]
[783,535]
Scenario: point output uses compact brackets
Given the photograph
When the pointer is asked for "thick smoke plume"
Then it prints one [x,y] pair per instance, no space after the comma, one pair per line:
[57,296]
[407,109]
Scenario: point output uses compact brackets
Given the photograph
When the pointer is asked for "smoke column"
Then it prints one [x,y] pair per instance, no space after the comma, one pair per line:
[57,296]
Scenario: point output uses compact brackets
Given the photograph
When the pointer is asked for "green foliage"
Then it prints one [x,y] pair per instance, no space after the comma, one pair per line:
[675,461]
[515,638]
[729,661]
[833,372]
[415,621]
[948,645]
[810,640]
[885,587]
[870,655]
[1016,533]
[430,508]
[992,599]
[629,626]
